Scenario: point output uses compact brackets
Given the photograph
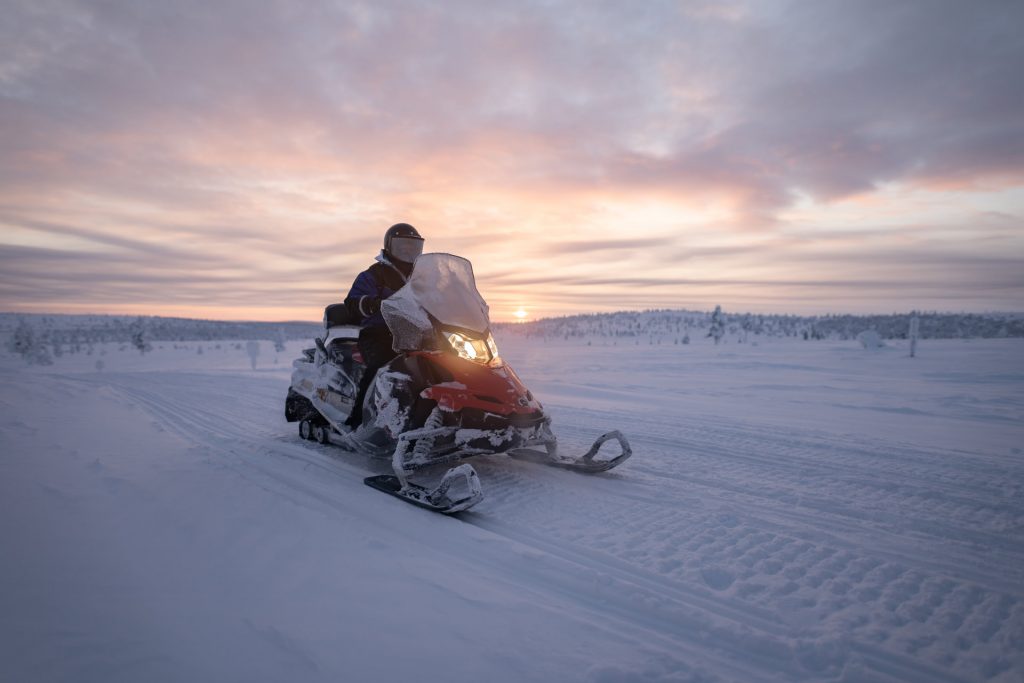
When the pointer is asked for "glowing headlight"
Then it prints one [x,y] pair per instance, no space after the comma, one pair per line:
[476,350]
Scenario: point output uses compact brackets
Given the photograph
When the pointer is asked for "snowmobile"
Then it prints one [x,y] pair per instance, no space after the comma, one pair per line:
[446,396]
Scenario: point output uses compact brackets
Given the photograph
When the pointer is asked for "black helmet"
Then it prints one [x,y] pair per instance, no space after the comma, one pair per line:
[402,243]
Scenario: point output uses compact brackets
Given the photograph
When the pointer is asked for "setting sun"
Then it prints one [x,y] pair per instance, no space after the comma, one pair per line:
[520,314]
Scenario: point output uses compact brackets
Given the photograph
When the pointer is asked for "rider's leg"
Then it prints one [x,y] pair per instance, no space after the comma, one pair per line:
[375,346]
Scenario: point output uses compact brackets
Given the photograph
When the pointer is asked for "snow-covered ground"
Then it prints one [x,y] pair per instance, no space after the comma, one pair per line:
[794,511]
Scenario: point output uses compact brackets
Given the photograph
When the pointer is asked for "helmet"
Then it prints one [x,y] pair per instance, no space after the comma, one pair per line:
[402,243]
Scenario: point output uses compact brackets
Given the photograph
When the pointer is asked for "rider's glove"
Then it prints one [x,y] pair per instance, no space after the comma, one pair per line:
[369,305]
[362,307]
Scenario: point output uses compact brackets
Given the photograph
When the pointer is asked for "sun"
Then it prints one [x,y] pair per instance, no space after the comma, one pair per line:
[520,314]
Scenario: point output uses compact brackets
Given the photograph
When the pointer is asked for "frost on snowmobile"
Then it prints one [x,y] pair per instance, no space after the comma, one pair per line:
[448,395]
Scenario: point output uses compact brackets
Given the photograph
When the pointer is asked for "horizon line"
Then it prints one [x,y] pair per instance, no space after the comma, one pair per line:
[533,320]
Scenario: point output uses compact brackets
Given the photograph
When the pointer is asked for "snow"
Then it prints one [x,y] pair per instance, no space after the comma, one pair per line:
[794,511]
[390,413]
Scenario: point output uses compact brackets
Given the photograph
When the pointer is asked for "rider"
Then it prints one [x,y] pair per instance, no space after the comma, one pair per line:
[402,244]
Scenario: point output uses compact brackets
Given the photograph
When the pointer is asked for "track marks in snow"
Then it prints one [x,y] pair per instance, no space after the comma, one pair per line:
[914,565]
[845,494]
[751,550]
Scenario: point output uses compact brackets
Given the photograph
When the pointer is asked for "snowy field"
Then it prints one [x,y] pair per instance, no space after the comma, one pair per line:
[794,511]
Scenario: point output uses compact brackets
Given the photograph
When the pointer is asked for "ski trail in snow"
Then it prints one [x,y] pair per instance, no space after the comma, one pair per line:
[788,551]
[842,495]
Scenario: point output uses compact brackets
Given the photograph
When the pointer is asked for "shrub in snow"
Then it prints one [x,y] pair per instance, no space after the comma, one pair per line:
[279,340]
[869,339]
[28,344]
[253,349]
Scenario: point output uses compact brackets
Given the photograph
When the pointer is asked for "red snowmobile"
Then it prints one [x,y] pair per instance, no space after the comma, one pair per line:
[447,395]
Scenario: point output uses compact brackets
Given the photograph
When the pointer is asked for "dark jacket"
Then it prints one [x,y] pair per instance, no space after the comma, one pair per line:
[372,286]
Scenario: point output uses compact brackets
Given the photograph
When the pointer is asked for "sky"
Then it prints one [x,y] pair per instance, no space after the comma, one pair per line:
[243,159]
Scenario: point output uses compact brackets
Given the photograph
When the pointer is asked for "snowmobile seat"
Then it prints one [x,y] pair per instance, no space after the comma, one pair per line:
[338,314]
[341,344]
[341,341]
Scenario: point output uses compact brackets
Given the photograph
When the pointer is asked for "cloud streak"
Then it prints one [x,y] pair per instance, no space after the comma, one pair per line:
[198,152]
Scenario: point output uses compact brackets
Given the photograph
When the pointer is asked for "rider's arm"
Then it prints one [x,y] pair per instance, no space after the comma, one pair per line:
[363,300]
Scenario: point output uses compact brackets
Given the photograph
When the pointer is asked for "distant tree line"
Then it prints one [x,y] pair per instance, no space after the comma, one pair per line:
[97,329]
[680,324]
[39,338]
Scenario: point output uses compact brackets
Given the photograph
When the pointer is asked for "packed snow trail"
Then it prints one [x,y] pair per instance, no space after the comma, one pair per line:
[171,525]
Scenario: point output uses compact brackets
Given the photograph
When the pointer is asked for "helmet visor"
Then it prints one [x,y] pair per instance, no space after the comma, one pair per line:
[406,248]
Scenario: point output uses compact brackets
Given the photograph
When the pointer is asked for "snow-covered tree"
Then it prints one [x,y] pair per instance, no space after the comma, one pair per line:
[29,344]
[869,339]
[717,329]
[253,349]
[915,326]
[140,335]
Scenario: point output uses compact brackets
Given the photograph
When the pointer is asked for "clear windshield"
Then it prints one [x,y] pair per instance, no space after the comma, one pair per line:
[443,286]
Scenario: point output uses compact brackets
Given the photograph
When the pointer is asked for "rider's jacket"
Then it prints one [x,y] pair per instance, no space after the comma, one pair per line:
[372,286]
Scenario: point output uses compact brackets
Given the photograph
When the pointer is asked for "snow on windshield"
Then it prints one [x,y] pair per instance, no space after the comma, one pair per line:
[442,285]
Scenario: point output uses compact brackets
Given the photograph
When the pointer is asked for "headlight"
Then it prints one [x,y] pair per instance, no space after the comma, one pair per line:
[477,350]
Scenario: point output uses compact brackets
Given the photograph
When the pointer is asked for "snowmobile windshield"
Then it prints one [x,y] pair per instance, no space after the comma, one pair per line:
[443,286]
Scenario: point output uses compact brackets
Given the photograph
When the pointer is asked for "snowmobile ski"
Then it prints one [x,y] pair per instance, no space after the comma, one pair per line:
[586,462]
[438,498]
